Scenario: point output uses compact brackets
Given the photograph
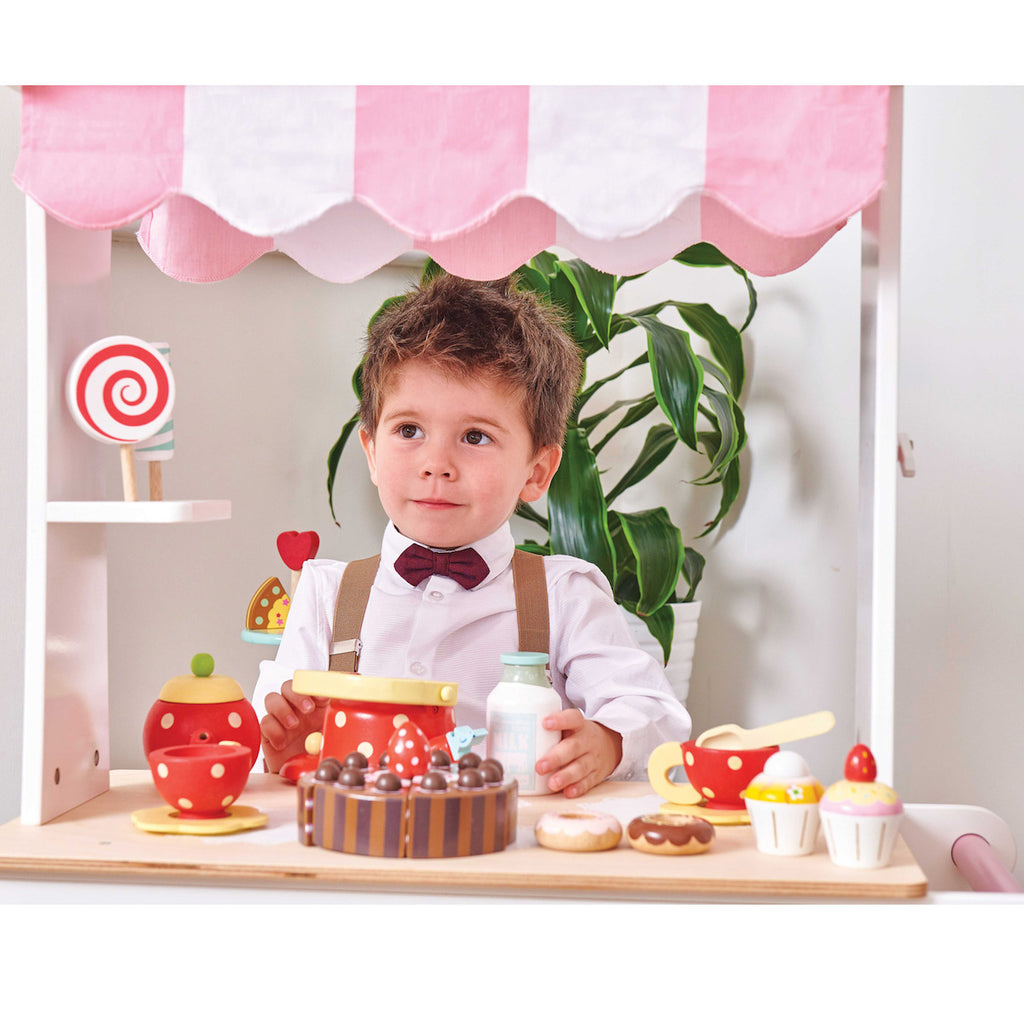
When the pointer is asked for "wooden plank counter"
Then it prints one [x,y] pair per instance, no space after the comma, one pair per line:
[98,842]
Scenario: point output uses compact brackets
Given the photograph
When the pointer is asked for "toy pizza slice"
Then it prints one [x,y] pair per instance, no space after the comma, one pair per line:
[268,609]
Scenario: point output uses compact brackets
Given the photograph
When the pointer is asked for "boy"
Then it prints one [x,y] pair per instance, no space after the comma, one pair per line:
[467,388]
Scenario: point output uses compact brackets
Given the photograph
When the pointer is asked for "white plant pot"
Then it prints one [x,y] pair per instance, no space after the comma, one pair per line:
[684,642]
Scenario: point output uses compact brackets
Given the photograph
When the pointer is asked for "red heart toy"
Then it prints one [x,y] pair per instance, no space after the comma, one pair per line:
[295,547]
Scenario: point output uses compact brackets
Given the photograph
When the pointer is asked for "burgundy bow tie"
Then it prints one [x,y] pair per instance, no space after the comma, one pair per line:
[416,563]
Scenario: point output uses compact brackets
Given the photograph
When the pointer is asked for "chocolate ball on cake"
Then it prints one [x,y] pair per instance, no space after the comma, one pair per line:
[328,769]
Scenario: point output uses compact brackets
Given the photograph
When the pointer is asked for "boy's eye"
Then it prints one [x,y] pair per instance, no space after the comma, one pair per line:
[477,437]
[408,431]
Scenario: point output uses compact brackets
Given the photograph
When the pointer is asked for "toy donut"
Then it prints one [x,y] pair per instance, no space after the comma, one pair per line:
[671,834]
[577,830]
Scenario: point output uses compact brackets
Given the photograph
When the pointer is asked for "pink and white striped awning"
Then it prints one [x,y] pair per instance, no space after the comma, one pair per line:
[344,179]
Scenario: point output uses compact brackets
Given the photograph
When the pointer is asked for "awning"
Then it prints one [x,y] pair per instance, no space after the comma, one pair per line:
[344,179]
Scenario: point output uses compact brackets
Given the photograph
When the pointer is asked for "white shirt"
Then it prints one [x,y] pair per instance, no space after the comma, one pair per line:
[439,631]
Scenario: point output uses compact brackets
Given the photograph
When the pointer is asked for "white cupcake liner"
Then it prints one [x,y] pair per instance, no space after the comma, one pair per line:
[860,842]
[788,830]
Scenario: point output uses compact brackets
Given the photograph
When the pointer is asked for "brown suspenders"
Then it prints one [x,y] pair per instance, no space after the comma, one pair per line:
[531,607]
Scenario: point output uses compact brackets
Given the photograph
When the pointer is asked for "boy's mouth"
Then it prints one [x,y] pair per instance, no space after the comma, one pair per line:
[435,503]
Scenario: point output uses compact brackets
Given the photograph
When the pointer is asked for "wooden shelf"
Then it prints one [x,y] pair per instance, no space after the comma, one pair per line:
[137,511]
[97,841]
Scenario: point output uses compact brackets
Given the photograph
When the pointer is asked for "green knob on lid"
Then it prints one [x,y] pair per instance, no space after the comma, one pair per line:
[202,665]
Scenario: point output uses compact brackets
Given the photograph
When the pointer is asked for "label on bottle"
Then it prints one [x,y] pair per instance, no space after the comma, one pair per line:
[512,739]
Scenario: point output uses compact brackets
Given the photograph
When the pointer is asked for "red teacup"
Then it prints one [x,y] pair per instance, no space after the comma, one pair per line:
[718,776]
[200,780]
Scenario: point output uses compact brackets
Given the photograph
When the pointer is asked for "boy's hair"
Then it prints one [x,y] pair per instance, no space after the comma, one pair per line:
[467,328]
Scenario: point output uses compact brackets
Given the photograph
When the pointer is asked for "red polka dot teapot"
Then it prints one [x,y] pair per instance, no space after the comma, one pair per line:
[201,708]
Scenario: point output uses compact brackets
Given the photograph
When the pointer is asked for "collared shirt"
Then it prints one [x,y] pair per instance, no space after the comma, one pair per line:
[439,631]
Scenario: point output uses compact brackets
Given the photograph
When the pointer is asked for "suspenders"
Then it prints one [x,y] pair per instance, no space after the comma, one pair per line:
[531,607]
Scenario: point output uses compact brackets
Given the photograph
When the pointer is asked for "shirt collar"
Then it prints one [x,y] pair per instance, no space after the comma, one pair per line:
[496,550]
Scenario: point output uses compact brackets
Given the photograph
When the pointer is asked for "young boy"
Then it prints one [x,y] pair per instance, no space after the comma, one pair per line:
[466,391]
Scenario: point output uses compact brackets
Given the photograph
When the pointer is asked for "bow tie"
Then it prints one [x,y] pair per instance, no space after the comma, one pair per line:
[416,563]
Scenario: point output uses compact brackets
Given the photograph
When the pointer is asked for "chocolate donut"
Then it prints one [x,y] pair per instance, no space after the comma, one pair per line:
[671,834]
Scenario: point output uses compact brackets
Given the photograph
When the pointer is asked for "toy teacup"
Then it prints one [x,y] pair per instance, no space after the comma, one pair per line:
[715,776]
[201,780]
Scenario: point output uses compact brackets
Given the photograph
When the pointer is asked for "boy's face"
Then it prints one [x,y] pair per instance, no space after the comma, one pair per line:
[451,458]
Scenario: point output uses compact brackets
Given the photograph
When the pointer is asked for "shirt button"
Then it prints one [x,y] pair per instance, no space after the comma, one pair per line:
[436,595]
[417,668]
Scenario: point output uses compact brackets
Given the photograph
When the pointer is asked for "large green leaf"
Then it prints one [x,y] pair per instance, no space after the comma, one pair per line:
[677,374]
[334,456]
[546,262]
[693,571]
[640,408]
[577,512]
[723,414]
[660,440]
[431,269]
[657,547]
[389,303]
[577,323]
[530,514]
[723,339]
[533,280]
[592,389]
[595,291]
[730,491]
[704,254]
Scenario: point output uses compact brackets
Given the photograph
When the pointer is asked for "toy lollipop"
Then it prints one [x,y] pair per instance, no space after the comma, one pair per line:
[159,448]
[120,390]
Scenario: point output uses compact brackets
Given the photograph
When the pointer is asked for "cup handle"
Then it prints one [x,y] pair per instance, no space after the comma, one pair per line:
[659,764]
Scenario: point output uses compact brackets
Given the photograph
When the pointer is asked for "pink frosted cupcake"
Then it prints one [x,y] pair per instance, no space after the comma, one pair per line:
[861,817]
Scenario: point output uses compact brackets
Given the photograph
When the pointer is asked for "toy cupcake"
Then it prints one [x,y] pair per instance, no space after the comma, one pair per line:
[783,805]
[861,817]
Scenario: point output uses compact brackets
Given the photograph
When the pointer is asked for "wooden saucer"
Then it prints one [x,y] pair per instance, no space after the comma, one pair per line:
[167,819]
[715,815]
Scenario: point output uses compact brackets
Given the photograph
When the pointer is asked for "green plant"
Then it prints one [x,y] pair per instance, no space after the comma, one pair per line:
[696,399]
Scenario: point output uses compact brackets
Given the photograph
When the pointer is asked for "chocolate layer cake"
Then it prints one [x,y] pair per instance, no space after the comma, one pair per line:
[450,811]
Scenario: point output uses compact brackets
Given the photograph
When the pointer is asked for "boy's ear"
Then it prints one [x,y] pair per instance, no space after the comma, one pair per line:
[371,453]
[545,465]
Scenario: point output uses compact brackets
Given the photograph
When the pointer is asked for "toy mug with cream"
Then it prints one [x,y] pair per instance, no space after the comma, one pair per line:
[716,776]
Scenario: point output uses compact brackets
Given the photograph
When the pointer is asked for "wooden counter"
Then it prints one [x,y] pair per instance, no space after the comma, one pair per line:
[97,842]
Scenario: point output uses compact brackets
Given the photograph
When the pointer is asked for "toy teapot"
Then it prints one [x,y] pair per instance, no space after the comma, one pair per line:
[201,708]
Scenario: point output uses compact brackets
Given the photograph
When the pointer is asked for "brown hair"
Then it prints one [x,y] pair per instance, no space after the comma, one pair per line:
[467,328]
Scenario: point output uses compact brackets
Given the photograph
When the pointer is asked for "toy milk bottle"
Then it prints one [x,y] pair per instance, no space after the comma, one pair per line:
[515,709]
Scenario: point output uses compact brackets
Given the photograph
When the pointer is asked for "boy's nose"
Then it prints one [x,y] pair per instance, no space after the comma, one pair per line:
[437,461]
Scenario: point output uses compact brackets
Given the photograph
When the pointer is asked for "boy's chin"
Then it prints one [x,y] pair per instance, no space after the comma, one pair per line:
[440,539]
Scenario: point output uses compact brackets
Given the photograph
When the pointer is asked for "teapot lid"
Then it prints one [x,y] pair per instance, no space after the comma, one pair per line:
[202,687]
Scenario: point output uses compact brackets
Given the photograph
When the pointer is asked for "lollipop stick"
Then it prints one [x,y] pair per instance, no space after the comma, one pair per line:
[156,482]
[128,473]
[295,580]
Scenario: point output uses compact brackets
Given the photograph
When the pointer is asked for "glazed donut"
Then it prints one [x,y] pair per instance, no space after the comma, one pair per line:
[671,834]
[577,830]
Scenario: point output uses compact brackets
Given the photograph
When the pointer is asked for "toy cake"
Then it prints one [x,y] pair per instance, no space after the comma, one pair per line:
[783,805]
[450,810]
[861,817]
[268,609]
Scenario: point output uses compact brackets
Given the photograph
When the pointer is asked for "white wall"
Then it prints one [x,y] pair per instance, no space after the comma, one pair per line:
[262,363]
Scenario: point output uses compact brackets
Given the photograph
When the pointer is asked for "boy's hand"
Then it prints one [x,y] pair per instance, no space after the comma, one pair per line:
[584,757]
[290,718]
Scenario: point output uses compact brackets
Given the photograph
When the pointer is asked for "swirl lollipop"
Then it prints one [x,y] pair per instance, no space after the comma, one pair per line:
[120,390]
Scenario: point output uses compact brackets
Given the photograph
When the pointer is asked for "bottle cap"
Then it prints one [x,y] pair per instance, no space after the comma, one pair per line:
[524,658]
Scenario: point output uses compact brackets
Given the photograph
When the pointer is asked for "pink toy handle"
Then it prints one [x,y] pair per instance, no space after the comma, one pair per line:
[978,863]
